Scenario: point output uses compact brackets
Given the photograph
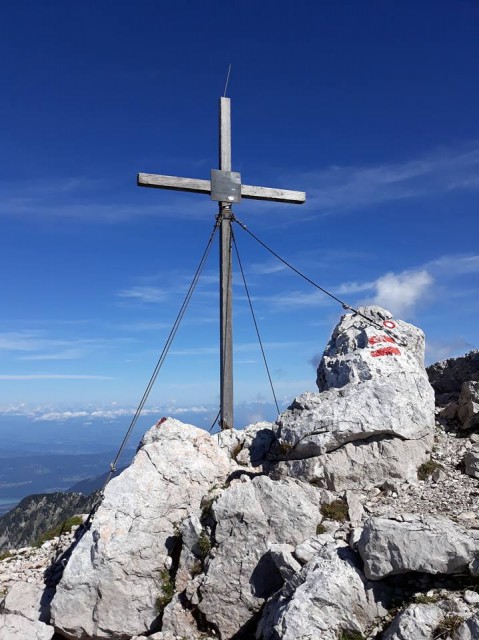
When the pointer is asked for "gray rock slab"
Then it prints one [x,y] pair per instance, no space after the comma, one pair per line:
[448,376]
[28,600]
[116,573]
[249,519]
[420,543]
[282,556]
[471,460]
[16,627]
[331,596]
[360,464]
[416,622]
[317,423]
[468,405]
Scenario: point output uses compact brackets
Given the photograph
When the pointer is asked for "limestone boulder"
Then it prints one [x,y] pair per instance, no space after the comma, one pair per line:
[120,567]
[416,622]
[372,382]
[241,573]
[418,543]
[17,627]
[330,596]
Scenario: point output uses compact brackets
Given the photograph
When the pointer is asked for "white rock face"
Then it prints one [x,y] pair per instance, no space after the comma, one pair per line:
[420,543]
[372,382]
[329,596]
[416,622]
[111,583]
[250,518]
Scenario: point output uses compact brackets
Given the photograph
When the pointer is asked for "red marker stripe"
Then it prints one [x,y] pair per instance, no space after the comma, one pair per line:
[386,351]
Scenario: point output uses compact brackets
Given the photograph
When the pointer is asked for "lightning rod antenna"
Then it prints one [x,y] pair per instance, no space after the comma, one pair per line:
[227,80]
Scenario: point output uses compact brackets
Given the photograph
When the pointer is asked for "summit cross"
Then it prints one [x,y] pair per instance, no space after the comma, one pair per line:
[224,187]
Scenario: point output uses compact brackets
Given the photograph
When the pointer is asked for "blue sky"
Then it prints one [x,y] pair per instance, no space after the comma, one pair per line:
[370,107]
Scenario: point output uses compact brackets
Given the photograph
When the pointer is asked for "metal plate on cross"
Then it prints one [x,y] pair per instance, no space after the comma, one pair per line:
[225,186]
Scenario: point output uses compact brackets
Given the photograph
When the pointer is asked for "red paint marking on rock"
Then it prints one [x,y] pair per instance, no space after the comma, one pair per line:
[389,324]
[377,339]
[386,351]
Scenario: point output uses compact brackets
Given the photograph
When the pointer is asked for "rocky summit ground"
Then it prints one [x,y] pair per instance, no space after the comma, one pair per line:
[354,516]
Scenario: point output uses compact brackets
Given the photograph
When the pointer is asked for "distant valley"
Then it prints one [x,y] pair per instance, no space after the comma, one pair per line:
[21,476]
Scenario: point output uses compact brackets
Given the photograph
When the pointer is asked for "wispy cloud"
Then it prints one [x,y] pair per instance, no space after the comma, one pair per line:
[335,188]
[455,264]
[52,376]
[352,187]
[83,198]
[144,294]
[36,345]
[436,350]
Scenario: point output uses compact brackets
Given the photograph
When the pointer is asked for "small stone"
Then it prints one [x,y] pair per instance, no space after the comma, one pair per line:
[467,515]
[471,597]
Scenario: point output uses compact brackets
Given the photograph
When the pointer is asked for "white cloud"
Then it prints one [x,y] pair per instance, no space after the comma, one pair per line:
[50,414]
[400,293]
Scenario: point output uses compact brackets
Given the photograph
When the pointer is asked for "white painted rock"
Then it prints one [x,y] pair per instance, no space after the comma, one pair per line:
[360,350]
[114,577]
[249,519]
[370,384]
[420,543]
[16,627]
[330,596]
[416,622]
[360,464]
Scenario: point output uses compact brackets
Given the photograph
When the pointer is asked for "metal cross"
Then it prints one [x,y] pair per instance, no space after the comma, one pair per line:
[225,187]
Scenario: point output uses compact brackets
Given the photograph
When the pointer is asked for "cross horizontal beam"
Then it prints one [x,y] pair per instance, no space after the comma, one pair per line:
[204,186]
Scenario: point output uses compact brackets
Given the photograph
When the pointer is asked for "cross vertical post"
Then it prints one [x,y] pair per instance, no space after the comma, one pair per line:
[225,187]
[226,291]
